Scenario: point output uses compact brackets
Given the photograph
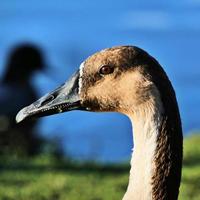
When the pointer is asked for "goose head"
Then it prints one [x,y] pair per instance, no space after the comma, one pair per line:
[117,79]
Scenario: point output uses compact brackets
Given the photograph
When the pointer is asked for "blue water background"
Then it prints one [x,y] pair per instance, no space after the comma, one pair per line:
[70,31]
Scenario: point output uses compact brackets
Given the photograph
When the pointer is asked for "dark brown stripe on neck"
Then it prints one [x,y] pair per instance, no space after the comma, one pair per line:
[168,157]
[168,154]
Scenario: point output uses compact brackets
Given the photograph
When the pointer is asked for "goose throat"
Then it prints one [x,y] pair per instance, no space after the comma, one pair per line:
[146,122]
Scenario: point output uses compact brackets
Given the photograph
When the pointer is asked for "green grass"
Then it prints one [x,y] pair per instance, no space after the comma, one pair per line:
[190,187]
[44,178]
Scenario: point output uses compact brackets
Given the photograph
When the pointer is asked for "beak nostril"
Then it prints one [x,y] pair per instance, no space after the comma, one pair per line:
[47,100]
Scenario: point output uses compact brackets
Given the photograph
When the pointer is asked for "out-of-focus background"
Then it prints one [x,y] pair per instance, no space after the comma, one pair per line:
[42,44]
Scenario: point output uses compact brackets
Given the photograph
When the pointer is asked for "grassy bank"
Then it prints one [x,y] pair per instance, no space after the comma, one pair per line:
[44,178]
[190,187]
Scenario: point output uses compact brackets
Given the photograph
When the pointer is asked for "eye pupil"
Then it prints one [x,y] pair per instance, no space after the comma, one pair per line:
[106,70]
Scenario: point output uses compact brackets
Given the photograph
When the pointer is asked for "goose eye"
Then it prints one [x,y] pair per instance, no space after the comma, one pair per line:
[106,69]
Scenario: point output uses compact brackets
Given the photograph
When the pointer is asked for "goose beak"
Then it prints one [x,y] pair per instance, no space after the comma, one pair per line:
[64,98]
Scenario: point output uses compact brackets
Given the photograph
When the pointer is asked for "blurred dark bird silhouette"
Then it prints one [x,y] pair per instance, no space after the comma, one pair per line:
[17,91]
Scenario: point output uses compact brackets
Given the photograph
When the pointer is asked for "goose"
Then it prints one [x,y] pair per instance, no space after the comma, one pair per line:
[128,80]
